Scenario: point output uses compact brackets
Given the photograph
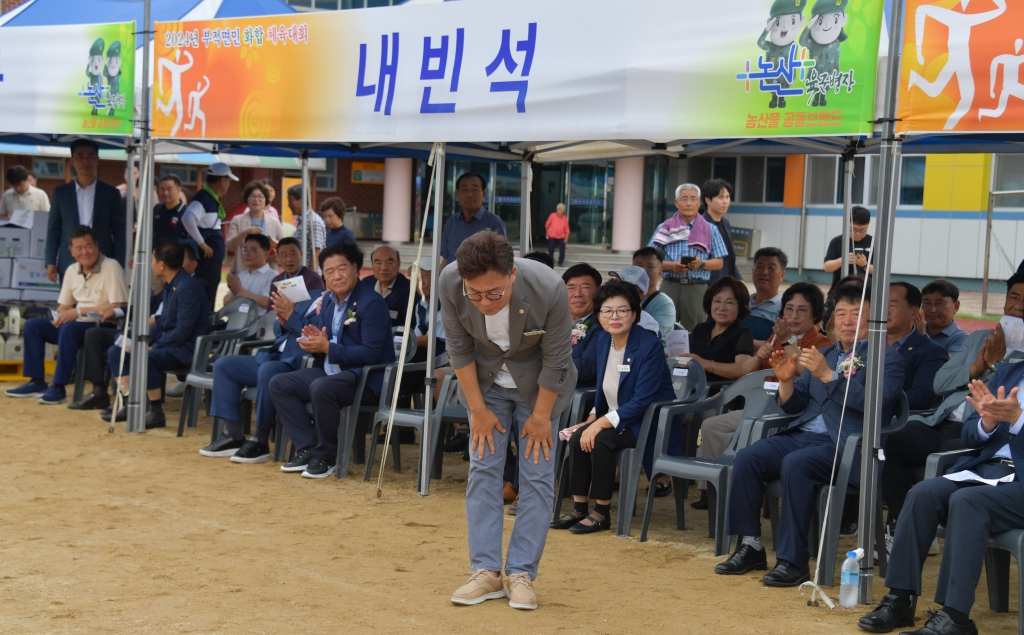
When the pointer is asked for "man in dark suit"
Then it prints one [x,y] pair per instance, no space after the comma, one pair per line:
[507,322]
[86,201]
[802,454]
[389,282]
[581,281]
[351,330]
[971,510]
[183,318]
[922,357]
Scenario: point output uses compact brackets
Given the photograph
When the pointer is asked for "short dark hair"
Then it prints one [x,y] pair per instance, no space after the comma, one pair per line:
[483,181]
[335,204]
[772,252]
[16,174]
[170,253]
[289,241]
[485,251]
[81,231]
[618,289]
[252,187]
[1017,278]
[190,252]
[739,291]
[350,252]
[261,239]
[582,269]
[269,182]
[713,187]
[542,257]
[913,293]
[295,192]
[84,143]
[170,177]
[860,215]
[851,291]
[650,251]
[943,287]
[809,292]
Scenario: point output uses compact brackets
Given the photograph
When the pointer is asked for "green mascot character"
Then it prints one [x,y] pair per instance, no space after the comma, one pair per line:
[787,18]
[822,38]
[94,69]
[113,71]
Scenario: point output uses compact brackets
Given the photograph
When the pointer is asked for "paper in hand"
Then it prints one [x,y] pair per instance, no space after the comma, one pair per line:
[95,316]
[126,344]
[678,343]
[1013,331]
[20,218]
[294,289]
[53,315]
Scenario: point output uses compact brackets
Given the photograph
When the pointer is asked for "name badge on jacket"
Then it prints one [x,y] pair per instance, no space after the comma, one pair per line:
[623,368]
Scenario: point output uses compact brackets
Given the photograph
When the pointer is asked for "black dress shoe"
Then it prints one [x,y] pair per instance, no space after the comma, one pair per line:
[702,503]
[91,402]
[566,521]
[594,526]
[122,414]
[892,612]
[939,623]
[746,558]
[787,574]
[106,412]
[154,420]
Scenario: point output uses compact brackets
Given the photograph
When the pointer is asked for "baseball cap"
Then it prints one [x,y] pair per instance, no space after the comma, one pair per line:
[426,263]
[633,275]
[221,169]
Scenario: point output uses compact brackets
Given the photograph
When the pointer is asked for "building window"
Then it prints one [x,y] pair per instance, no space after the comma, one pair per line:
[48,168]
[860,166]
[189,174]
[755,179]
[912,185]
[327,181]
[1009,177]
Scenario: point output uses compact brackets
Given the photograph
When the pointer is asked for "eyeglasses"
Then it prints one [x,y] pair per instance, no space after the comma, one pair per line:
[476,297]
[729,304]
[252,251]
[799,311]
[619,313]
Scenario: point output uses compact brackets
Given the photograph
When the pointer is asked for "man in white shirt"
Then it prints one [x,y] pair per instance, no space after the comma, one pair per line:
[202,221]
[255,280]
[22,195]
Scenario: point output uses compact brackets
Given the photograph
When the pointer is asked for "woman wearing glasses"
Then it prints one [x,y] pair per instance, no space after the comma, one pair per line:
[631,375]
[257,220]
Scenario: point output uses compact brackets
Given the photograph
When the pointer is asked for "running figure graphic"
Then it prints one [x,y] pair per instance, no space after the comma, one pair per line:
[176,71]
[959,45]
[194,111]
[1011,81]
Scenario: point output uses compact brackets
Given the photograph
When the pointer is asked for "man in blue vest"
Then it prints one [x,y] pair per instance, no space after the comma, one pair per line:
[202,221]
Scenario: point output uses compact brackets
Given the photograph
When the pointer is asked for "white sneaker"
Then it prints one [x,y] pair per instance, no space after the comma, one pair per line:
[520,592]
[177,390]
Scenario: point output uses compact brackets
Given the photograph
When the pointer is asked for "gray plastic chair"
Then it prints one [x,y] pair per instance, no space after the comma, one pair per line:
[1000,546]
[758,403]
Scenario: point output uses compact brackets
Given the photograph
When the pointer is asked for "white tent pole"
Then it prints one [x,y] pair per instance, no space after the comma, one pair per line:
[847,210]
[307,231]
[129,200]
[881,256]
[526,180]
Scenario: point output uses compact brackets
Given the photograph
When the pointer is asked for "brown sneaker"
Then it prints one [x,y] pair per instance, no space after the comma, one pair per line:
[510,493]
[520,592]
[483,585]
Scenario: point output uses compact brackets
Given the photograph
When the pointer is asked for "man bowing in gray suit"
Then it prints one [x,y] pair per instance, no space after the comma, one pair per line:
[508,329]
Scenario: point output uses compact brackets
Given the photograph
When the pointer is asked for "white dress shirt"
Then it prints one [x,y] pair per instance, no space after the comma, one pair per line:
[258,282]
[497,333]
[86,202]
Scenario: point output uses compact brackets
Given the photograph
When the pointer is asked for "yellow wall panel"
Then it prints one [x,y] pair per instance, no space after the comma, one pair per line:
[938,183]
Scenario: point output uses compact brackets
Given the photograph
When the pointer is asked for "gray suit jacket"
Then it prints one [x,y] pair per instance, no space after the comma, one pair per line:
[538,303]
[951,380]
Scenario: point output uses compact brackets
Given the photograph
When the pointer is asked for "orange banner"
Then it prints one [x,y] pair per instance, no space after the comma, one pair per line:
[962,66]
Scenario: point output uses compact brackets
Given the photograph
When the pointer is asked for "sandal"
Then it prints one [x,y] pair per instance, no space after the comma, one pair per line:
[662,489]
[567,520]
[595,526]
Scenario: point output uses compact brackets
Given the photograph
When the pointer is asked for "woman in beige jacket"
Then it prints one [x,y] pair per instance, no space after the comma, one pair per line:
[254,221]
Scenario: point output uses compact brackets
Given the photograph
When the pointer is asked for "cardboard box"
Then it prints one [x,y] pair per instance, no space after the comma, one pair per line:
[39,223]
[30,273]
[40,295]
[14,349]
[37,247]
[5,272]
[9,295]
[14,242]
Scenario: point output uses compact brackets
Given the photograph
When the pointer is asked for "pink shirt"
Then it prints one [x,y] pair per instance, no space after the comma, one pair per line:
[557,226]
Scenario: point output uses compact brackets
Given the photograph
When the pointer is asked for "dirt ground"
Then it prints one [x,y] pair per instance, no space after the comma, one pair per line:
[118,533]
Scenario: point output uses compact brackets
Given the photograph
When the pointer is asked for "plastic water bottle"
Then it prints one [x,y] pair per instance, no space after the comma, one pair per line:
[849,587]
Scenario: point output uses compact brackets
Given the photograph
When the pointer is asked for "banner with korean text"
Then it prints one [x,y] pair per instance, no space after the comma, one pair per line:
[961,69]
[75,79]
[531,70]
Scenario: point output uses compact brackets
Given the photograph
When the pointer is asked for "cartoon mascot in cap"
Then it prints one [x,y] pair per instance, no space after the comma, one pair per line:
[822,38]
[113,71]
[787,18]
[94,69]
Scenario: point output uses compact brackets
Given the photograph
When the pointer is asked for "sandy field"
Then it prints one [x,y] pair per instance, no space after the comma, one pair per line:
[118,533]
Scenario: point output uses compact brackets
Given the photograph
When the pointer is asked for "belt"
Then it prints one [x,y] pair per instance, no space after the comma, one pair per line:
[686,281]
[1006,462]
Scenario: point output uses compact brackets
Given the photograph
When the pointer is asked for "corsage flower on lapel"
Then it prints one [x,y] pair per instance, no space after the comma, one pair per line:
[319,304]
[851,365]
[579,332]
[350,318]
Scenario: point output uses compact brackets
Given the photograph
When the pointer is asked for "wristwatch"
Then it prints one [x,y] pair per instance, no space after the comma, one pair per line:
[793,340]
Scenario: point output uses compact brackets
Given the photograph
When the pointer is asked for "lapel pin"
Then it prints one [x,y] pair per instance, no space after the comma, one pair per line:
[521,311]
[629,359]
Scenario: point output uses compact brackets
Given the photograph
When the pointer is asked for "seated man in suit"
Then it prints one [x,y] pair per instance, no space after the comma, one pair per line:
[351,329]
[389,283]
[90,293]
[255,280]
[87,201]
[971,511]
[941,301]
[922,357]
[234,373]
[580,283]
[289,254]
[907,451]
[182,320]
[802,454]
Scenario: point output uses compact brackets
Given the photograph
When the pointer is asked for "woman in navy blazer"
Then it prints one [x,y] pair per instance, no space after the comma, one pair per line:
[639,377]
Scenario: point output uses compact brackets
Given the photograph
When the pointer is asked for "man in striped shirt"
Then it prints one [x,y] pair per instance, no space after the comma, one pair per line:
[311,250]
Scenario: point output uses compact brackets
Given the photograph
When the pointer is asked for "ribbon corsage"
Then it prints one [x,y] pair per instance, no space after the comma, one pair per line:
[350,318]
